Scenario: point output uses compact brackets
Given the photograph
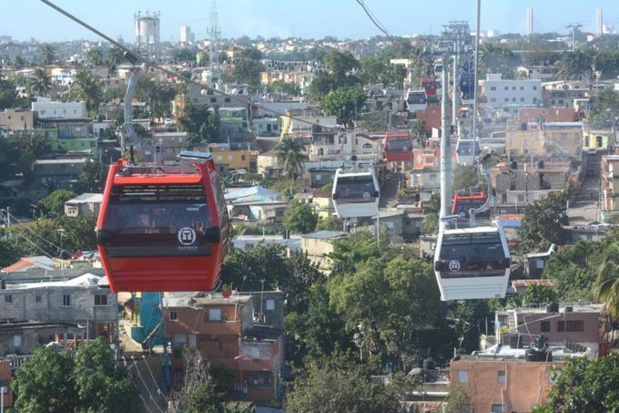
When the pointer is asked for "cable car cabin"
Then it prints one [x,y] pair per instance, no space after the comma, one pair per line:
[355,194]
[472,263]
[163,228]
[463,203]
[416,99]
[398,147]
[430,85]
[467,150]
[466,83]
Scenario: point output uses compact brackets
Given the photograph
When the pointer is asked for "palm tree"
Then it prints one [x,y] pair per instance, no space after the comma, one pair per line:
[95,57]
[18,62]
[48,54]
[606,287]
[87,88]
[291,153]
[114,57]
[40,83]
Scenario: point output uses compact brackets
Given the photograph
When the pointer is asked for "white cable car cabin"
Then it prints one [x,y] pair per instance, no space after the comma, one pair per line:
[472,263]
[355,194]
[416,99]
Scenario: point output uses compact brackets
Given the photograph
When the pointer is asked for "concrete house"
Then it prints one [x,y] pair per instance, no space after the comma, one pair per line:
[229,331]
[82,205]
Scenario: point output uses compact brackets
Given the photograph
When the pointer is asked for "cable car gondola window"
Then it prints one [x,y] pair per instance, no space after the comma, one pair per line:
[472,254]
[398,144]
[157,220]
[356,188]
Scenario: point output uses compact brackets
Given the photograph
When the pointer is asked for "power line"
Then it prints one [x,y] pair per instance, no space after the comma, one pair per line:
[373,18]
[135,59]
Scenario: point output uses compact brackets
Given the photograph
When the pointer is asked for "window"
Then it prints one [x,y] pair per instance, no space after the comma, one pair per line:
[497,408]
[574,325]
[534,87]
[16,340]
[101,299]
[522,99]
[521,87]
[463,376]
[8,298]
[66,300]
[506,88]
[270,305]
[513,87]
[544,327]
[227,100]
[561,326]
[255,352]
[493,88]
[243,157]
[37,298]
[520,198]
[213,100]
[173,316]
[492,99]
[501,376]
[214,314]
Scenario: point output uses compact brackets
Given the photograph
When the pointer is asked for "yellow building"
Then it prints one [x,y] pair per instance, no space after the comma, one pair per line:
[233,159]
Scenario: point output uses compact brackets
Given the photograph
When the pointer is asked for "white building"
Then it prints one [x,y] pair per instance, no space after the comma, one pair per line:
[499,91]
[187,37]
[45,108]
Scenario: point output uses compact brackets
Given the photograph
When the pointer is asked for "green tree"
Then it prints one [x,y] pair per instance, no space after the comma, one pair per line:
[248,71]
[338,385]
[9,253]
[543,222]
[102,384]
[291,155]
[48,54]
[114,57]
[201,124]
[95,57]
[300,218]
[252,270]
[344,102]
[607,284]
[45,383]
[91,177]
[52,206]
[584,385]
[8,93]
[86,88]
[575,65]
[431,214]
[184,55]
[19,62]
[464,177]
[340,62]
[40,84]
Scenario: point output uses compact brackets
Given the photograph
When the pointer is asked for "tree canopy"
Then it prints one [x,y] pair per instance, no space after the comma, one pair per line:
[201,124]
[52,381]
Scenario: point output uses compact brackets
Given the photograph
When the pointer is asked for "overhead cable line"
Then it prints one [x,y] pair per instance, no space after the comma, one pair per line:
[373,18]
[133,58]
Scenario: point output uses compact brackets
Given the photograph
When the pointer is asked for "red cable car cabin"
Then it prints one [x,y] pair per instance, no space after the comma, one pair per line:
[398,147]
[463,202]
[430,85]
[163,228]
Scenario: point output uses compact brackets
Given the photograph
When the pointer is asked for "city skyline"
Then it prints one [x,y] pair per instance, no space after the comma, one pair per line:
[278,18]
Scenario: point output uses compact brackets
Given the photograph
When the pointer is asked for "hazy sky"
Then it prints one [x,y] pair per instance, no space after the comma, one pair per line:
[24,19]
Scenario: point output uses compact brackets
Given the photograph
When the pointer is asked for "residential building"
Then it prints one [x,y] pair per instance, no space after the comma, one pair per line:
[289,244]
[333,144]
[227,159]
[228,331]
[46,109]
[318,245]
[609,196]
[57,173]
[499,91]
[84,204]
[68,136]
[266,126]
[54,303]
[560,139]
[6,379]
[17,120]
[543,73]
[565,93]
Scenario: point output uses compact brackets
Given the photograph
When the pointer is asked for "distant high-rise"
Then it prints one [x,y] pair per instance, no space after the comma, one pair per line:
[529,21]
[187,37]
[147,32]
[600,23]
